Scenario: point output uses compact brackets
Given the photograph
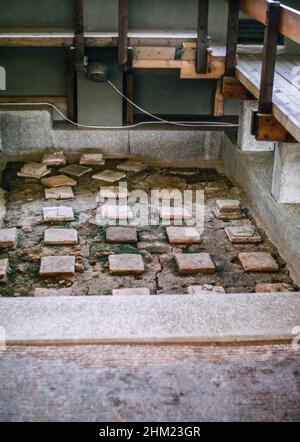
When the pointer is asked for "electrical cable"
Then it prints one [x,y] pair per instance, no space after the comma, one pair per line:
[158,120]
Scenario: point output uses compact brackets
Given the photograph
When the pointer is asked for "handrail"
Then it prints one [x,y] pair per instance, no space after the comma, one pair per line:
[289,24]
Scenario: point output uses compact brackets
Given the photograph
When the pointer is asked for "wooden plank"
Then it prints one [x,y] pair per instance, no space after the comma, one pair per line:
[157,64]
[71,83]
[219,100]
[33,99]
[232,36]
[79,35]
[289,21]
[129,92]
[123,34]
[154,53]
[202,39]
[269,58]
[188,70]
[267,128]
[232,89]
[282,98]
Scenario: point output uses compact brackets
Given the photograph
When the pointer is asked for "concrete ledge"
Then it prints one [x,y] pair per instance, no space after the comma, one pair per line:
[153,319]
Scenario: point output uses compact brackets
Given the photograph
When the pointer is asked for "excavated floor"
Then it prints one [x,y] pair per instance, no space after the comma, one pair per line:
[26,199]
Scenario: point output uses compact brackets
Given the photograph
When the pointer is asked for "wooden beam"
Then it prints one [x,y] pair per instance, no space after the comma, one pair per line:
[33,99]
[202,32]
[289,21]
[123,35]
[79,35]
[232,89]
[232,37]
[71,83]
[267,128]
[269,58]
[129,92]
[219,100]
[217,70]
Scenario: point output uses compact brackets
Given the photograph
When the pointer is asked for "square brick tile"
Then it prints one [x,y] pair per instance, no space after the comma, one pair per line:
[175,214]
[92,159]
[8,238]
[258,262]
[42,292]
[242,234]
[59,181]
[272,288]
[128,292]
[60,237]
[34,170]
[126,264]
[57,266]
[109,176]
[75,170]
[59,193]
[194,263]
[121,235]
[206,288]
[56,158]
[132,166]
[183,235]
[228,209]
[115,212]
[4,266]
[58,214]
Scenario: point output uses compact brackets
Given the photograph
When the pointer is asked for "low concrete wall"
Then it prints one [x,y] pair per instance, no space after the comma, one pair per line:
[31,132]
[253,171]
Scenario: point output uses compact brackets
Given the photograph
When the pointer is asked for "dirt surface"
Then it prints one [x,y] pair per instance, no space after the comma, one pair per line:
[147,383]
[25,200]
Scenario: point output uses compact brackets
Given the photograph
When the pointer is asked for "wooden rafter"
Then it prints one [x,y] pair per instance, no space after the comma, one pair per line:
[203,41]
[289,23]
[79,35]
[123,35]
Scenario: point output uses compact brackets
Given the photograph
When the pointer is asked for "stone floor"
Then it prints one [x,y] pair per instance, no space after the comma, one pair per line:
[24,210]
[146,383]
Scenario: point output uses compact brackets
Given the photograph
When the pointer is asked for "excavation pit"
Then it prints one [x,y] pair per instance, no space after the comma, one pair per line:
[25,203]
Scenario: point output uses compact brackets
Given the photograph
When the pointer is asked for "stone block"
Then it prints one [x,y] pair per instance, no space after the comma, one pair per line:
[246,141]
[126,264]
[131,291]
[273,287]
[109,176]
[4,266]
[132,166]
[206,288]
[59,193]
[58,214]
[258,262]
[57,266]
[42,292]
[92,159]
[194,263]
[60,237]
[121,235]
[55,158]
[286,173]
[183,235]
[8,238]
[75,170]
[59,181]
[34,170]
[228,209]
[242,234]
